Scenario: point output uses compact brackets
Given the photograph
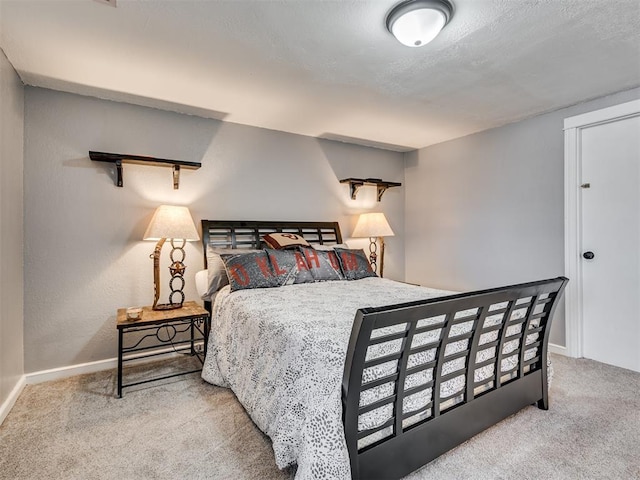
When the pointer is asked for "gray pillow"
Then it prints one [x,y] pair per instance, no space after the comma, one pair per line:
[216,273]
[249,270]
[283,265]
[323,264]
[354,264]
[290,266]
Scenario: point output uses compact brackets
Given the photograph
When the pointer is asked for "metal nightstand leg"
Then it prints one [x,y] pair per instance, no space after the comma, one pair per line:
[193,349]
[207,330]
[120,334]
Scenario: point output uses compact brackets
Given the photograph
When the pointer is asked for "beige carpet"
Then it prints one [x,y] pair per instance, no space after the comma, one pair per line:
[186,428]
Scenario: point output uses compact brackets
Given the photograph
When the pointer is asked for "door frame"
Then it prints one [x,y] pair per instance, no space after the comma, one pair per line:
[573,127]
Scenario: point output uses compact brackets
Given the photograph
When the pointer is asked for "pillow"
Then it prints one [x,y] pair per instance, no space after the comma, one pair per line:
[202,285]
[217,274]
[289,266]
[354,264]
[249,270]
[280,241]
[324,265]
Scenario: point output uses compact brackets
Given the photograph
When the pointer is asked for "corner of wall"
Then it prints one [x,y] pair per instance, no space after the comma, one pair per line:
[11,236]
[9,402]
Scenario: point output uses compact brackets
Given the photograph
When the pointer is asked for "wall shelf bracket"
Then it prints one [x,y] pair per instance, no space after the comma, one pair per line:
[119,158]
[176,177]
[356,183]
[118,172]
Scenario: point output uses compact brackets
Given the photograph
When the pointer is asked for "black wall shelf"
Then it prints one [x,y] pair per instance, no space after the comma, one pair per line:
[119,158]
[356,183]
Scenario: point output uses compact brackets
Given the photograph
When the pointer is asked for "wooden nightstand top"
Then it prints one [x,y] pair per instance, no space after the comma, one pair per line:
[149,316]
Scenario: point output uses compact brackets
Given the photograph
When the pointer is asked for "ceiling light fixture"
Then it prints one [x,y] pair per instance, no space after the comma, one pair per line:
[416,22]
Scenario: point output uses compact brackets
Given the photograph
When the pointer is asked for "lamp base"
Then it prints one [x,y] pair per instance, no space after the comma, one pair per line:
[167,306]
[373,253]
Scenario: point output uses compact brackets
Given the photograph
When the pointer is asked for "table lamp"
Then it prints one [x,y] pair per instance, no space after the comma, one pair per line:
[175,224]
[374,225]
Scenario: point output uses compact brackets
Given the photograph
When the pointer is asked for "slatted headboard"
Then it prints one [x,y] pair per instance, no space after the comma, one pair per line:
[248,234]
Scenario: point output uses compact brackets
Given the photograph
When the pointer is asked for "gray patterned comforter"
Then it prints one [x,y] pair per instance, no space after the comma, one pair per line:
[282,352]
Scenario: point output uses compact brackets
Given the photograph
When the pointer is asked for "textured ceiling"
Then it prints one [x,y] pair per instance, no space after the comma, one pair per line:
[329,68]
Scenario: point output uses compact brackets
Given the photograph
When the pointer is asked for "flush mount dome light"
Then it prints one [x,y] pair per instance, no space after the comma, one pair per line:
[416,22]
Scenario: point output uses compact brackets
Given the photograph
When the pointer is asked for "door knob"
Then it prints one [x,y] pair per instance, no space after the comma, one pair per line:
[588,255]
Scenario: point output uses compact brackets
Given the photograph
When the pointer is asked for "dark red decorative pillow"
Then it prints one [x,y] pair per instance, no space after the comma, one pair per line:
[354,264]
[323,264]
[249,270]
[280,241]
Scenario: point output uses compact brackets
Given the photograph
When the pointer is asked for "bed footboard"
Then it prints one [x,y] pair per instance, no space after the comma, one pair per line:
[423,377]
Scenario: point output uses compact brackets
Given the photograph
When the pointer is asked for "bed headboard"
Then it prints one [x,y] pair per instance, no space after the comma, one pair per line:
[248,234]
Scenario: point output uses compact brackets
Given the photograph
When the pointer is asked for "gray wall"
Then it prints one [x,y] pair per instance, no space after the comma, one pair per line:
[480,211]
[84,256]
[488,209]
[11,227]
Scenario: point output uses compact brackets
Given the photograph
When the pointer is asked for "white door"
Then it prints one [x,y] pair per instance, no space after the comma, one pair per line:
[610,193]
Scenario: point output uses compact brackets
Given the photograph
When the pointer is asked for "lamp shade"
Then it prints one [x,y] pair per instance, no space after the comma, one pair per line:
[416,22]
[173,223]
[372,225]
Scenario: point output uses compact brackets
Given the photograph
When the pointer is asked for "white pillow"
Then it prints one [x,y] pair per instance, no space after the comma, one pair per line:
[202,284]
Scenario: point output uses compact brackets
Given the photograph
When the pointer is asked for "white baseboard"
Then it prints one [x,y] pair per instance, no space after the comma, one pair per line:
[8,404]
[558,349]
[92,367]
[70,371]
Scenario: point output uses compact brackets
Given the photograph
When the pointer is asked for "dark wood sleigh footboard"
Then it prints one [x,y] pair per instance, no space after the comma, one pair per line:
[460,363]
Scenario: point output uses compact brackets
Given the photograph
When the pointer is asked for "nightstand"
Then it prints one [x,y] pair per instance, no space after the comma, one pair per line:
[183,329]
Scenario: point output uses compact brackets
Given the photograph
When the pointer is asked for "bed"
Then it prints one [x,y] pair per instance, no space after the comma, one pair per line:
[373,378]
